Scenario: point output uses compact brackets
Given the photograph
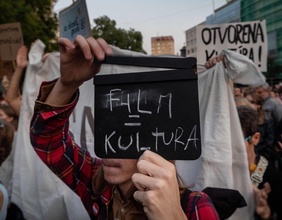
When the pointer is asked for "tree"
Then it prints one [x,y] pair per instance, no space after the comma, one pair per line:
[36,17]
[106,28]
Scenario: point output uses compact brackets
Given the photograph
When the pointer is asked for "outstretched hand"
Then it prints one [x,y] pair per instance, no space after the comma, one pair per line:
[22,57]
[158,189]
[77,58]
[76,66]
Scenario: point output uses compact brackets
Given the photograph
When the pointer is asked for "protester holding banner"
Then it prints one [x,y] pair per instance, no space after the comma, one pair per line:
[112,183]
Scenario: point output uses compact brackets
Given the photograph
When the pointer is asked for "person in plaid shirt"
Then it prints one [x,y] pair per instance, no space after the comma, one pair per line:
[147,188]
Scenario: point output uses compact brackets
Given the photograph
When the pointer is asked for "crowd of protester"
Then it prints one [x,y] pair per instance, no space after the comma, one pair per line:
[260,112]
[269,109]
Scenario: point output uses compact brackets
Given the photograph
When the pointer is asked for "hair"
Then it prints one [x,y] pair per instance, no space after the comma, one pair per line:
[265,86]
[11,113]
[249,120]
[249,91]
[258,101]
[279,91]
[6,140]
[240,100]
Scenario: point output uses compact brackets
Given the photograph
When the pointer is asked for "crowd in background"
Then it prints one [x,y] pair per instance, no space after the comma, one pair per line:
[267,101]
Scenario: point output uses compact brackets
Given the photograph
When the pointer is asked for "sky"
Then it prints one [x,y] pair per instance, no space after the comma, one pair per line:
[151,17]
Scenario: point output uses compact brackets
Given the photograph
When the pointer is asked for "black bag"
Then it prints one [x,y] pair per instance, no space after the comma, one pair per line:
[14,212]
[225,201]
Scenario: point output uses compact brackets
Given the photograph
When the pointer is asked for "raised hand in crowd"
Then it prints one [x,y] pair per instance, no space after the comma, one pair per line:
[13,95]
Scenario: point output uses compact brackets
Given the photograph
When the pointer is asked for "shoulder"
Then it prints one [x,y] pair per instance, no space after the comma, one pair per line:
[199,197]
[200,206]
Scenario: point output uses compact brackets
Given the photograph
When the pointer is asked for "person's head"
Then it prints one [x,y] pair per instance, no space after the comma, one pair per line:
[238,91]
[6,140]
[256,103]
[255,100]
[9,115]
[240,100]
[249,123]
[263,91]
[279,91]
[272,94]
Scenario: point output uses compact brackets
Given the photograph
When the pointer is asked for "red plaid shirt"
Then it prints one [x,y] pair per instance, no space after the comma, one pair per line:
[74,165]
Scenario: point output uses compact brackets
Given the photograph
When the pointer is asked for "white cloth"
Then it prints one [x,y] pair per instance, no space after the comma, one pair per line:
[36,190]
[223,162]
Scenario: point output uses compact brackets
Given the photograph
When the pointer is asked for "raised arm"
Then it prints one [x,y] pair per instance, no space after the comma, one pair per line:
[76,66]
[49,133]
[13,92]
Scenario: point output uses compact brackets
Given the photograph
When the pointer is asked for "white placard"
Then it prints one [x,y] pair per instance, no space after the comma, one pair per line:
[247,38]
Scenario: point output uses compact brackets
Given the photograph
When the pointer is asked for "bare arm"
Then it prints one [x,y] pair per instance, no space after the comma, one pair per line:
[13,92]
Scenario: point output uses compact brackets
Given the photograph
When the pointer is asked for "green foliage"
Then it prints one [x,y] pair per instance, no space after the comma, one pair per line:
[106,29]
[36,17]
[274,71]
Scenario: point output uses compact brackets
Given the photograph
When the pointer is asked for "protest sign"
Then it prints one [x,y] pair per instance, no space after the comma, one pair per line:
[157,111]
[10,41]
[74,20]
[247,38]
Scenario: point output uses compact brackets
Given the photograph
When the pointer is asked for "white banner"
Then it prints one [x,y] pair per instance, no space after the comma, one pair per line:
[247,38]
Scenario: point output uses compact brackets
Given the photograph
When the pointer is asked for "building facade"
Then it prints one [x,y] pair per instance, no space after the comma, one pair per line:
[244,11]
[229,12]
[271,11]
[162,45]
[191,42]
[226,14]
